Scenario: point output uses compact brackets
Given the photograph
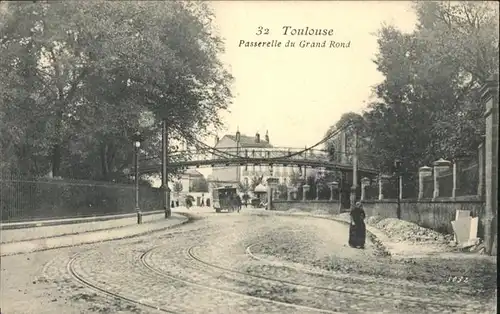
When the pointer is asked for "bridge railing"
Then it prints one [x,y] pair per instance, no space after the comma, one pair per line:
[263,156]
[297,154]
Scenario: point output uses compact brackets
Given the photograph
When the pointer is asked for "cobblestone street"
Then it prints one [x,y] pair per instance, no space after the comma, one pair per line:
[251,262]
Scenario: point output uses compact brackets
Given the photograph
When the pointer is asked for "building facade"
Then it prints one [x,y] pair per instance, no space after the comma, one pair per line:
[188,181]
[251,146]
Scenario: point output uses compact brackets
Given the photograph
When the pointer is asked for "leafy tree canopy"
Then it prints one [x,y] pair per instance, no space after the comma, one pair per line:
[79,78]
[427,105]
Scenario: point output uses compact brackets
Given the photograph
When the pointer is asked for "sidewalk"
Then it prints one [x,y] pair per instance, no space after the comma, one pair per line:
[67,221]
[45,238]
[70,226]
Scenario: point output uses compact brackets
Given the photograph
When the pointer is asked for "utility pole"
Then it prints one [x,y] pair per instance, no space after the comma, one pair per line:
[354,186]
[137,145]
[164,172]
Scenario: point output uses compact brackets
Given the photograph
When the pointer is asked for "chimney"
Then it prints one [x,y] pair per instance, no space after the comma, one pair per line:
[267,136]
[238,134]
[257,137]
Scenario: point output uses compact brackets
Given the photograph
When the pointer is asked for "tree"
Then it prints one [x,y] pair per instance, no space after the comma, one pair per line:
[199,185]
[461,41]
[256,180]
[427,105]
[78,77]
[244,188]
[282,190]
[178,188]
[427,109]
[352,123]
[295,179]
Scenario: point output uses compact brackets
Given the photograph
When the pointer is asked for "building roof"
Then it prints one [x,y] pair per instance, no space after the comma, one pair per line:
[249,141]
[193,173]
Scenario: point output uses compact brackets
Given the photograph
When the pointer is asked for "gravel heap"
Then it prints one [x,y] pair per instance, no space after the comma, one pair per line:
[373,220]
[398,230]
[405,231]
[344,216]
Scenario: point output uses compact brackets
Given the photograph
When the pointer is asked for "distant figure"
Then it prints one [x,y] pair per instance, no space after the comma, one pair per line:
[238,203]
[177,203]
[202,202]
[189,203]
[172,204]
[357,228]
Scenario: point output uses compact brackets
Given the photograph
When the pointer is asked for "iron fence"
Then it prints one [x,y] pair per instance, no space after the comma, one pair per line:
[445,180]
[371,191]
[410,185]
[468,179]
[23,198]
[428,187]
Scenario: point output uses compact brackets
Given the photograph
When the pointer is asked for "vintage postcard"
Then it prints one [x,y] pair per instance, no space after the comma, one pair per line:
[248,156]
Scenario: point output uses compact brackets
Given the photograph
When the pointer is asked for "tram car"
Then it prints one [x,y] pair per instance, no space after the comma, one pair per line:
[224,198]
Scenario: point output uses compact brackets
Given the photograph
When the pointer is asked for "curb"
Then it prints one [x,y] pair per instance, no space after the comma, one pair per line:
[186,219]
[68,221]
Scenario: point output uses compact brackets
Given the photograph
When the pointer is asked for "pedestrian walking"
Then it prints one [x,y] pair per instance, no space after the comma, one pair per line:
[238,202]
[357,228]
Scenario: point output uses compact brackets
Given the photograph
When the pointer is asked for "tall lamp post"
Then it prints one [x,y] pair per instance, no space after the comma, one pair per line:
[238,154]
[164,169]
[137,145]
[397,172]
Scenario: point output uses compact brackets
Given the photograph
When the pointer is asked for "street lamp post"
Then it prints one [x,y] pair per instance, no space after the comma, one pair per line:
[137,145]
[238,154]
[164,170]
[397,172]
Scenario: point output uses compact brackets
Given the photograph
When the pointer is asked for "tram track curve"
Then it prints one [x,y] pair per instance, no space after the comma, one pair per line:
[190,256]
[339,290]
[80,279]
[190,282]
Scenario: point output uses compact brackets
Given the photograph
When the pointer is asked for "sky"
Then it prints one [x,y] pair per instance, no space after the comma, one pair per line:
[298,93]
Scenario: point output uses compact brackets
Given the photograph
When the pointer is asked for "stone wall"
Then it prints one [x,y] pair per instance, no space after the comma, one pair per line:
[436,215]
[308,206]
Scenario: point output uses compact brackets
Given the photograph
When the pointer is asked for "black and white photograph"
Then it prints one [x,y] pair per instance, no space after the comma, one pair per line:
[251,157]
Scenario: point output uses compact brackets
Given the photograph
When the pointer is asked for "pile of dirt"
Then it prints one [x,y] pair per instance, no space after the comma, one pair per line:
[373,220]
[405,231]
[344,216]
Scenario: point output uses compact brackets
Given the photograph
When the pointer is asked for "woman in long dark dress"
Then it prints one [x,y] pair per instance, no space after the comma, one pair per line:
[357,229]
